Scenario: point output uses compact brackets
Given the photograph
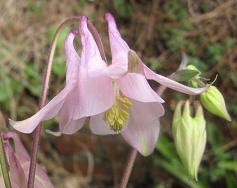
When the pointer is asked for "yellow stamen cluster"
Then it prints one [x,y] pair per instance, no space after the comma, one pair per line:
[118,114]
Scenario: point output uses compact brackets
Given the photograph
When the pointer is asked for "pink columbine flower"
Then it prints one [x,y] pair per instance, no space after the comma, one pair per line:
[64,103]
[19,164]
[116,97]
[136,108]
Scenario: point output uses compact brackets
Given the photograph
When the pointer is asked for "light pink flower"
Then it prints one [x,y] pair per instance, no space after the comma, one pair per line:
[64,103]
[117,98]
[19,164]
[141,127]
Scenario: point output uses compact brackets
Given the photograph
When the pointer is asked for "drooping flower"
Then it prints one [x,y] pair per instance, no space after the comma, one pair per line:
[19,164]
[63,104]
[116,97]
[136,109]
[190,136]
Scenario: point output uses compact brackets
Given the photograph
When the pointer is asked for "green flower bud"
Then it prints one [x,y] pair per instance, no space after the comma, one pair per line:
[192,67]
[214,102]
[190,136]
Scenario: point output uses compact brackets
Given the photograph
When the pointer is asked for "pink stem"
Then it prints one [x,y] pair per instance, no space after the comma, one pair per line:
[128,169]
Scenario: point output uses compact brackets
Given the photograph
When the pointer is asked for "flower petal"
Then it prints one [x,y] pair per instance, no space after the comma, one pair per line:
[17,174]
[119,47]
[47,112]
[20,151]
[171,83]
[73,59]
[115,71]
[41,178]
[135,86]
[99,126]
[67,123]
[90,56]
[96,94]
[143,126]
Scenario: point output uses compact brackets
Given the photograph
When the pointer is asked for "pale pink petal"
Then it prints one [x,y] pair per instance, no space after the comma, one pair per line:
[135,86]
[41,178]
[73,126]
[19,163]
[119,47]
[115,71]
[99,126]
[143,126]
[52,108]
[95,89]
[17,175]
[171,83]
[90,56]
[96,94]
[20,151]
[72,58]
[47,112]
[67,124]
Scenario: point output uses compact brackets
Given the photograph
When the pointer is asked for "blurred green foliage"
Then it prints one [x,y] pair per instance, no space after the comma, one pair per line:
[122,8]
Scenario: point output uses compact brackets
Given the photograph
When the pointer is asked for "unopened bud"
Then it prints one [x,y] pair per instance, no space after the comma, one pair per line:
[214,102]
[190,136]
[192,67]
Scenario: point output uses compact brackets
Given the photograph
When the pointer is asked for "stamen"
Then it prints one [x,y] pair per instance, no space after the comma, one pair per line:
[118,114]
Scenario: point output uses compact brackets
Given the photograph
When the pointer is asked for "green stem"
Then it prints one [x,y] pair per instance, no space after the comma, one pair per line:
[3,163]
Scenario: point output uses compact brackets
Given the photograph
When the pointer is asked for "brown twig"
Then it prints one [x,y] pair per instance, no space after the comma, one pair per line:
[217,12]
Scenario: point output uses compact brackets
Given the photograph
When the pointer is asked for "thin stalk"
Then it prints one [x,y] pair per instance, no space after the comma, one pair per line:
[45,86]
[128,169]
[4,166]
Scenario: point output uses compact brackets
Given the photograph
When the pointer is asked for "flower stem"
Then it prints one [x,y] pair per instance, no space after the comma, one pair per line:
[3,164]
[128,169]
[43,95]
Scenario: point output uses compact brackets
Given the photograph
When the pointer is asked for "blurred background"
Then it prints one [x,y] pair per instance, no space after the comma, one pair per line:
[159,31]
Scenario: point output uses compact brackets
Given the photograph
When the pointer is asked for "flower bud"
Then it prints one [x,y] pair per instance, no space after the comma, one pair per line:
[190,136]
[214,102]
[192,67]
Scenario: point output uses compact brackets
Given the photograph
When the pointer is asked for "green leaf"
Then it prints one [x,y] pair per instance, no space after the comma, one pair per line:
[186,74]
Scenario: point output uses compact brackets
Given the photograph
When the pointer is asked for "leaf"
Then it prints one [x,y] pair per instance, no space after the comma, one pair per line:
[186,74]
